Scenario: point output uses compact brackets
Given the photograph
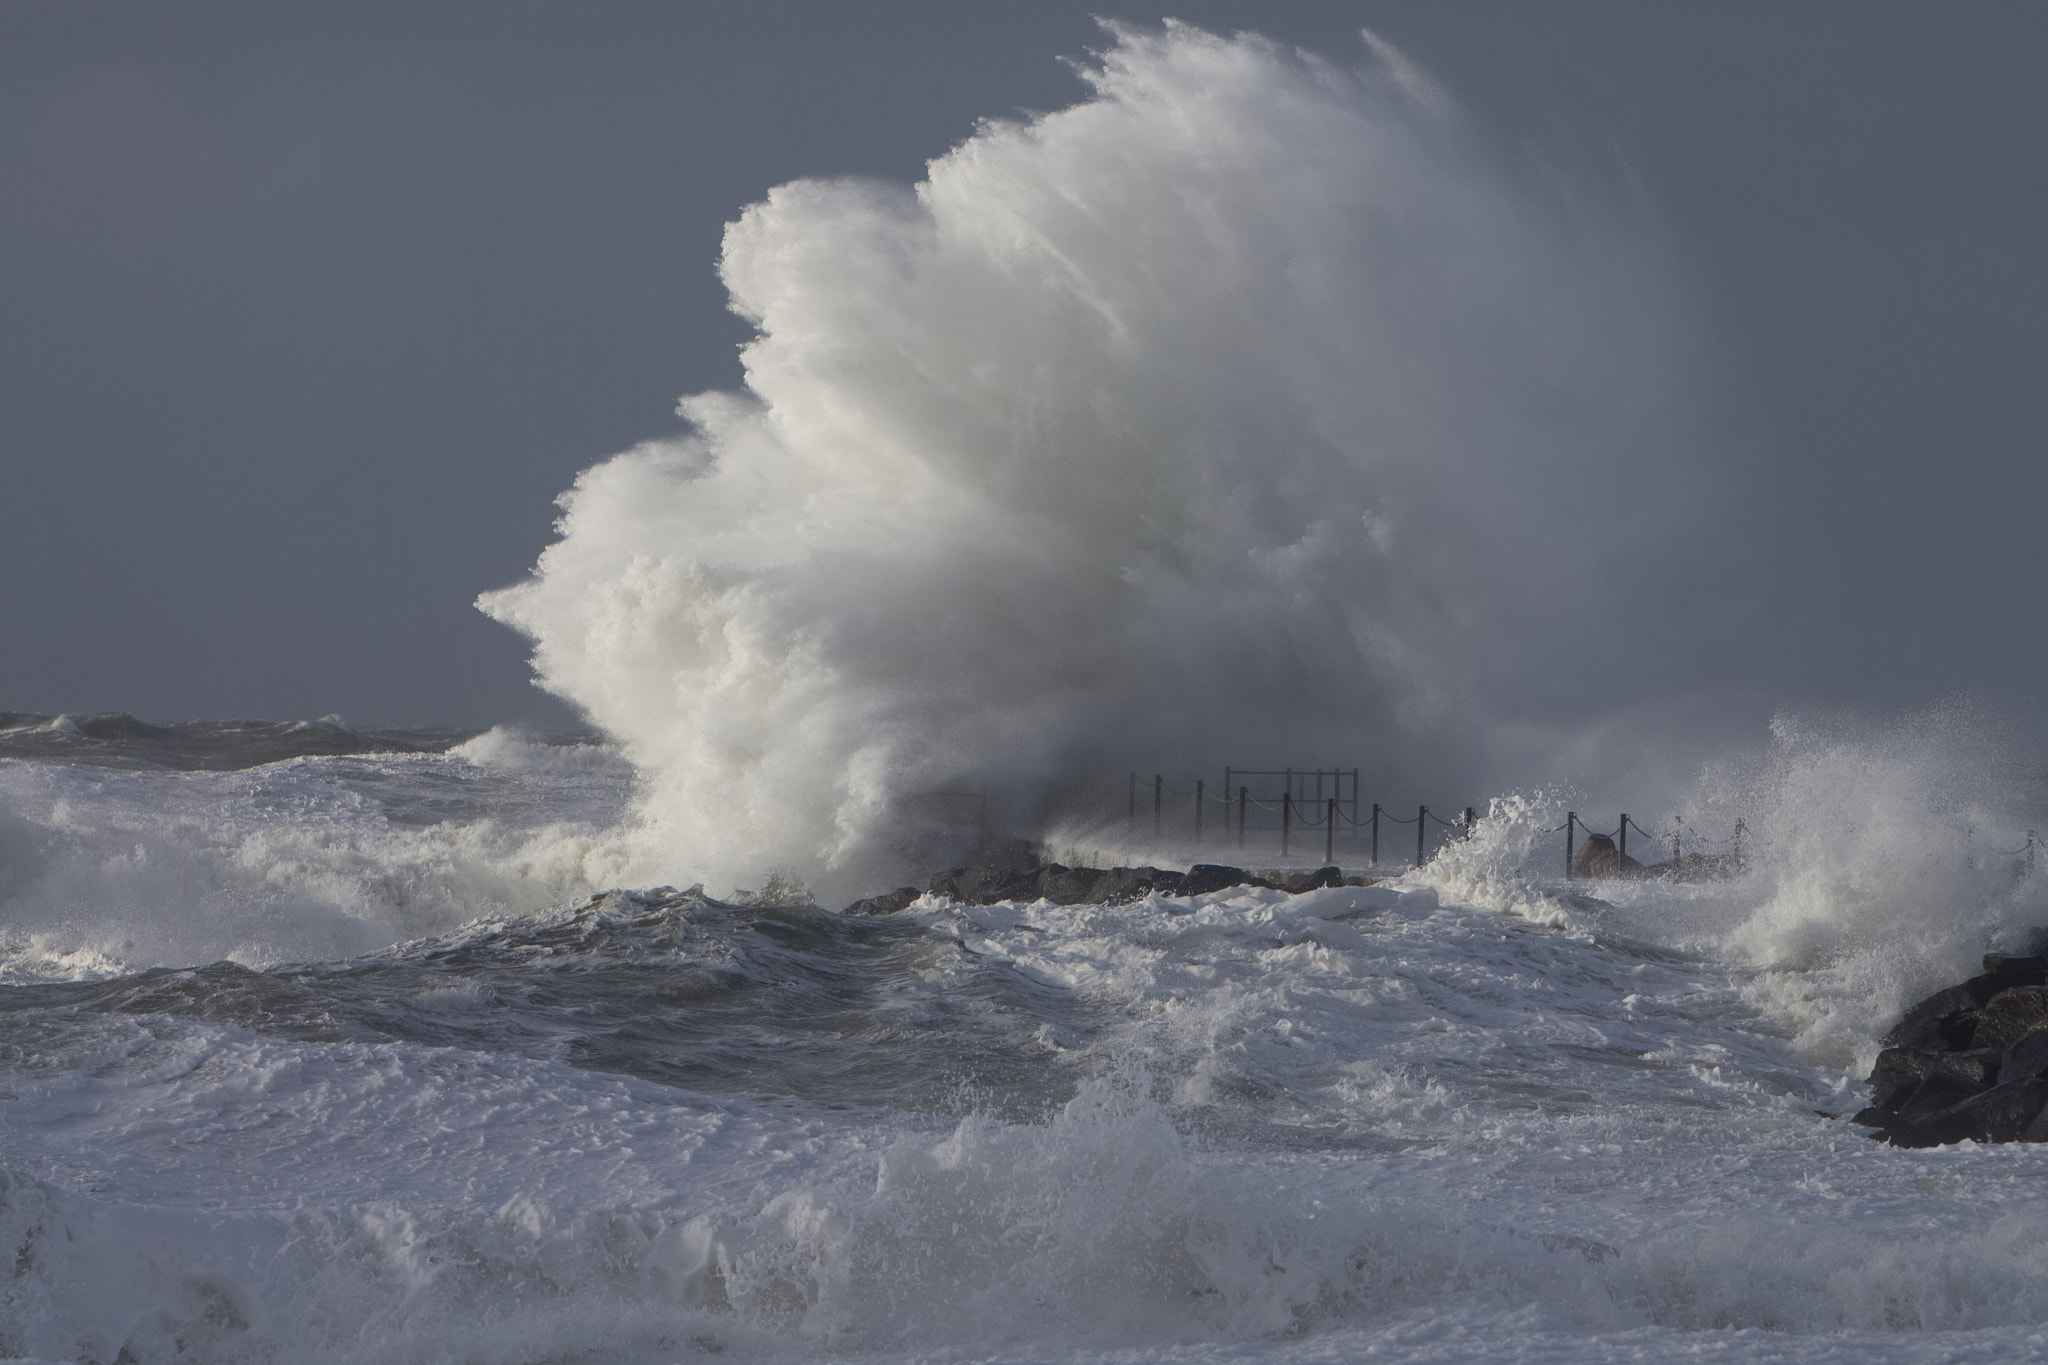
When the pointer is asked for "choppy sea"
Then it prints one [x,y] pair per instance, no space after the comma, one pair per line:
[344,1056]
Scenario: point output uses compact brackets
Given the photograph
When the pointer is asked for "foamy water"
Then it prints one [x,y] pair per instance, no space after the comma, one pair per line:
[1471,1113]
[1242,413]
[1246,407]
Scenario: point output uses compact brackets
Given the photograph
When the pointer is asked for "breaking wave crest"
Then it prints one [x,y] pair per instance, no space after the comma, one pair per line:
[1247,407]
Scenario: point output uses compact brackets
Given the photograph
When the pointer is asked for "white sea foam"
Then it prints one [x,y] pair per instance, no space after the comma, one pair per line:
[313,859]
[1360,1120]
[1245,402]
[1248,403]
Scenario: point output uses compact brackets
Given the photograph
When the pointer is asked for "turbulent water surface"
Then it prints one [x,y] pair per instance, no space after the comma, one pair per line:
[274,1091]
[1244,413]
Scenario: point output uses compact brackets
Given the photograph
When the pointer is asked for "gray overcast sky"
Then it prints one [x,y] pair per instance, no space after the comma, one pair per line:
[307,312]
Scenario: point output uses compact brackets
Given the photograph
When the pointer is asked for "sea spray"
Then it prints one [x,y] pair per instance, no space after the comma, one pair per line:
[1247,407]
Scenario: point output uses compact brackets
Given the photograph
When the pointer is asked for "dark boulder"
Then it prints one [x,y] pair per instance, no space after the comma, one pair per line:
[1203,878]
[2031,970]
[2010,1016]
[1121,885]
[1968,1062]
[1063,885]
[1004,871]
[2026,1058]
[1976,1067]
[1946,1020]
[888,903]
[1298,882]
[2004,1113]
[1014,871]
[1939,1092]
[1898,1073]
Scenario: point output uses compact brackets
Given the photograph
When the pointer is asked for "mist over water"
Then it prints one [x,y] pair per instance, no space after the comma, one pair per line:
[1250,411]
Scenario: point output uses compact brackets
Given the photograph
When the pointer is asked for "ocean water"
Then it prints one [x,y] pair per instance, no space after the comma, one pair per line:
[1243,413]
[322,1059]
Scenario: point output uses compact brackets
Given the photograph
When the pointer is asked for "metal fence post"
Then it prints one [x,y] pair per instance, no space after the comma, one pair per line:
[1624,834]
[1421,831]
[1375,834]
[1468,822]
[1571,819]
[1330,832]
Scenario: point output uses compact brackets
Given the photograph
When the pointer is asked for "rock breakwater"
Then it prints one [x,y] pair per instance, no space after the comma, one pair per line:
[1017,871]
[1969,1061]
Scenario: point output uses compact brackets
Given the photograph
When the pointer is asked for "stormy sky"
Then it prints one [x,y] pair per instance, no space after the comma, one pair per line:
[308,312]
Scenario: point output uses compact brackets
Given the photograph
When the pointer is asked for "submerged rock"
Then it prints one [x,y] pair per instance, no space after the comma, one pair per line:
[1969,1061]
[888,903]
[1013,871]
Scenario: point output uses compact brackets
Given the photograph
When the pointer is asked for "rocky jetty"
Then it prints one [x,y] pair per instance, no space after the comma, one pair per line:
[1016,871]
[1970,1061]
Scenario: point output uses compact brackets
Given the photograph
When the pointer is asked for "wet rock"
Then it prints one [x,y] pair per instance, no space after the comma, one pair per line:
[1968,1062]
[2031,970]
[2010,1015]
[1898,1073]
[1298,882]
[2004,1113]
[1946,1021]
[2026,1058]
[1064,885]
[1015,871]
[1004,871]
[1977,1067]
[1120,885]
[1203,878]
[888,903]
[1939,1092]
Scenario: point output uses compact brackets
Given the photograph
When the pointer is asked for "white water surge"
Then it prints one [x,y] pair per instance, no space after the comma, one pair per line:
[1246,408]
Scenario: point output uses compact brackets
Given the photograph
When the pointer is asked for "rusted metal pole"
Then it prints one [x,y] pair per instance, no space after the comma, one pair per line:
[1421,830]
[1624,834]
[1571,819]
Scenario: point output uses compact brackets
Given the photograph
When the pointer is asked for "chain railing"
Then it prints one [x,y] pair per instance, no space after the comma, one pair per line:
[1328,800]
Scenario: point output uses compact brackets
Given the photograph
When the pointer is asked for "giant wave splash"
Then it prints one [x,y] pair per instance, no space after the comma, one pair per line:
[1249,401]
